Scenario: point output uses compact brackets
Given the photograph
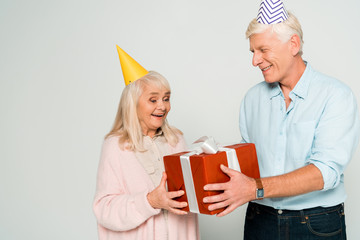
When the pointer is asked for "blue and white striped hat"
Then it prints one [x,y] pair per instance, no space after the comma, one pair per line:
[271,12]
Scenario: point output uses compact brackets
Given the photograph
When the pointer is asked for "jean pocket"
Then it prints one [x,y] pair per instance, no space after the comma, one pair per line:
[326,224]
[251,212]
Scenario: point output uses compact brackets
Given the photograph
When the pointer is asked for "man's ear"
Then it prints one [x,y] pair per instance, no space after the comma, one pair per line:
[295,44]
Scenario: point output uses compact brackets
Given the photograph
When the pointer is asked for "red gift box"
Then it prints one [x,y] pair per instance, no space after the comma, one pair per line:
[205,168]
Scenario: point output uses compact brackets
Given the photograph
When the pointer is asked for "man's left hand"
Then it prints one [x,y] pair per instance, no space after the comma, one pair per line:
[238,191]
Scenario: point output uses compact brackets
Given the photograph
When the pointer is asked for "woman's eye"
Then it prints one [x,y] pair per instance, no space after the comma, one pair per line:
[153,100]
[166,99]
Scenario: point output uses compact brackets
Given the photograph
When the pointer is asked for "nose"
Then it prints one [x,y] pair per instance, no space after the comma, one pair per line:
[257,59]
[161,105]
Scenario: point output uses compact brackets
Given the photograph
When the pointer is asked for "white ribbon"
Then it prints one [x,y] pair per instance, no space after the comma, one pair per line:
[232,159]
[189,182]
[203,145]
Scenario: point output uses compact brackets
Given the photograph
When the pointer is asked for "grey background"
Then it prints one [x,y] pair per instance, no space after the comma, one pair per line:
[60,83]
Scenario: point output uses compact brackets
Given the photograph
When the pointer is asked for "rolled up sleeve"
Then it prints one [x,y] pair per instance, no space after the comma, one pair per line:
[336,137]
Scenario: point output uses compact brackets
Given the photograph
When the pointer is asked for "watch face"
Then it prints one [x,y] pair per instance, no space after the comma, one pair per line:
[260,193]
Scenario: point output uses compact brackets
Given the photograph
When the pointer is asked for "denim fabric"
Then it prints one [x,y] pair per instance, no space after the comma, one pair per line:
[266,223]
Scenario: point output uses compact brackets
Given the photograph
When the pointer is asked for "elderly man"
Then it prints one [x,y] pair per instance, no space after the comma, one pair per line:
[305,126]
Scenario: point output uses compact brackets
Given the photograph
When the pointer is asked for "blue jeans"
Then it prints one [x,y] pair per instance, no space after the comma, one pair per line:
[266,223]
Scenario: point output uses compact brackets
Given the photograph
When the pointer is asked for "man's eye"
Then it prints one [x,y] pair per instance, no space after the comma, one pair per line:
[153,100]
[166,99]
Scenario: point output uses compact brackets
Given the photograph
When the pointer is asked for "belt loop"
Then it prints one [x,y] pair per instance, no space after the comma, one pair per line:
[303,219]
[342,209]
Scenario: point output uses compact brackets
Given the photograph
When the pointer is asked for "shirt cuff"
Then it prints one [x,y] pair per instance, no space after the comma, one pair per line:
[330,176]
[146,209]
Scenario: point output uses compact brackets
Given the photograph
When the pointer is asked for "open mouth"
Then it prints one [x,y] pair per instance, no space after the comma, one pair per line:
[267,68]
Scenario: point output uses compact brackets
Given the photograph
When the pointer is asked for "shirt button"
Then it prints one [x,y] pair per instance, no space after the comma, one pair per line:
[280,211]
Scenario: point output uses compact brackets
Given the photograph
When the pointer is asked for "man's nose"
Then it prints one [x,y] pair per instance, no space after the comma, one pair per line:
[257,59]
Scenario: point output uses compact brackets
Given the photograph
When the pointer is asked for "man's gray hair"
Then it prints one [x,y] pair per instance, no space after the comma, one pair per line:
[283,30]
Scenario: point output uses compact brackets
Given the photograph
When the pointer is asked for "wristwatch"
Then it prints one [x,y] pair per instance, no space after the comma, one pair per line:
[259,189]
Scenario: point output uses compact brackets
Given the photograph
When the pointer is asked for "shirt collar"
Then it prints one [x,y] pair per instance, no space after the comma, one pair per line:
[275,90]
[300,89]
[158,133]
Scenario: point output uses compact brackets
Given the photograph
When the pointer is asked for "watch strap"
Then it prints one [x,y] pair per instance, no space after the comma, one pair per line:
[259,189]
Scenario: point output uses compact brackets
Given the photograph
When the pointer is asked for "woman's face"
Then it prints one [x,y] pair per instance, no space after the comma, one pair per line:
[152,108]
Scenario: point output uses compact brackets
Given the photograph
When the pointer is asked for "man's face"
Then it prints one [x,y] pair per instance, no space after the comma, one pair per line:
[272,56]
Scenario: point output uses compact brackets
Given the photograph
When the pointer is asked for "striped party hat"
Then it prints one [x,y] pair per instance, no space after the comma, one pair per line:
[271,12]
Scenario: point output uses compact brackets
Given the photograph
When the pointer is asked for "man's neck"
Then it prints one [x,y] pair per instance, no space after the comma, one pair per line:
[287,86]
[293,78]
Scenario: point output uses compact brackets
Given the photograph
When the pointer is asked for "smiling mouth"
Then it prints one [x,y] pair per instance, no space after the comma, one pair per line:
[158,115]
[268,67]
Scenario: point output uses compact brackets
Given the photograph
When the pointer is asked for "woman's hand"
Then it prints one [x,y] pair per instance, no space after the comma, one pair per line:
[160,198]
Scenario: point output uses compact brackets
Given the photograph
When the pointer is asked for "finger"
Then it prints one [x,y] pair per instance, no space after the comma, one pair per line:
[227,210]
[163,179]
[228,171]
[218,205]
[216,198]
[176,204]
[175,194]
[177,211]
[215,187]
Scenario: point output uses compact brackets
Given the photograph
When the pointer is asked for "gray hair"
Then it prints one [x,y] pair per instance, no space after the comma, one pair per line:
[283,30]
[127,125]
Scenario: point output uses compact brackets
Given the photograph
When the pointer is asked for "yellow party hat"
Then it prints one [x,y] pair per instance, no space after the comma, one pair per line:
[131,69]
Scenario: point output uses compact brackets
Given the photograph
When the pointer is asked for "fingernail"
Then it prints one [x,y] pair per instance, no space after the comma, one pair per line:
[205,200]
[205,187]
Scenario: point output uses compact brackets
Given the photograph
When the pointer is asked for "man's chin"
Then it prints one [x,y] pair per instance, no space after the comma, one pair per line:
[270,80]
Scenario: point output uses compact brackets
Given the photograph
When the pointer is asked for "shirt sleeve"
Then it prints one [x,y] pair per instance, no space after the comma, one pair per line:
[242,124]
[114,207]
[336,137]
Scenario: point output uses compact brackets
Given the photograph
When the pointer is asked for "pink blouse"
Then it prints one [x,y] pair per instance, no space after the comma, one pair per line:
[121,207]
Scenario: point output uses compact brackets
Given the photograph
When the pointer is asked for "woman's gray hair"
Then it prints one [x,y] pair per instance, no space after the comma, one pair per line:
[127,125]
[284,30]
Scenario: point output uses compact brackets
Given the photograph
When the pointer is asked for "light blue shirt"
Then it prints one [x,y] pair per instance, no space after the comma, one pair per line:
[320,126]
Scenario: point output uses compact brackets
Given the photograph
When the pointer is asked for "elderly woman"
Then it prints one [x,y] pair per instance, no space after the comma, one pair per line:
[131,199]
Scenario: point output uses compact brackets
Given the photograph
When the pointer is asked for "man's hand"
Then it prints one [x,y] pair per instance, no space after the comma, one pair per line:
[160,198]
[238,191]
